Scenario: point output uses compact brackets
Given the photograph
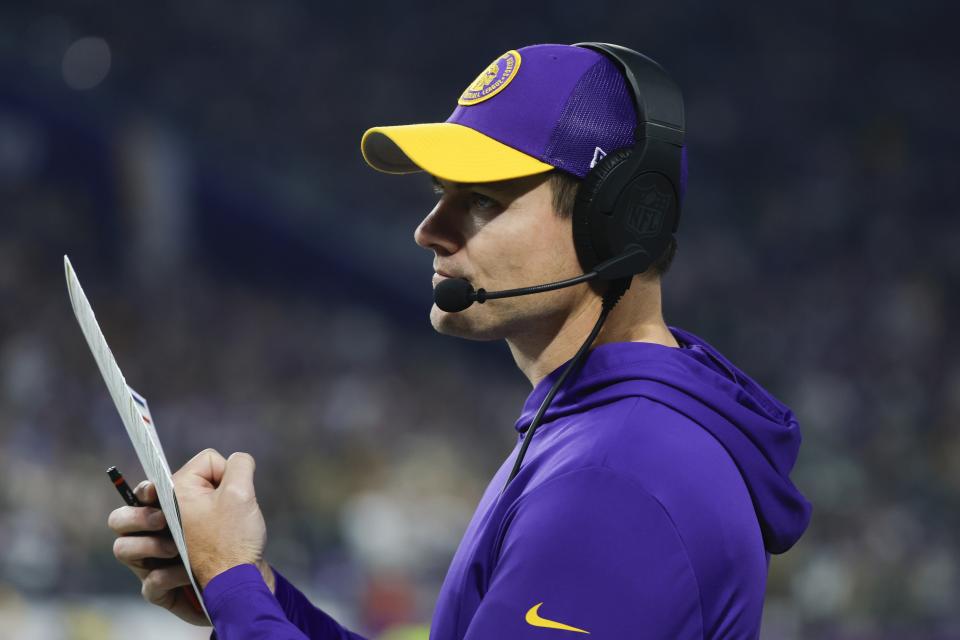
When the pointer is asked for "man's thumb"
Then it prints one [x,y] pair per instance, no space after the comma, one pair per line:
[238,475]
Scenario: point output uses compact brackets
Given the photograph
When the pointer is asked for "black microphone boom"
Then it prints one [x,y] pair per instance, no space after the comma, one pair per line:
[456,294]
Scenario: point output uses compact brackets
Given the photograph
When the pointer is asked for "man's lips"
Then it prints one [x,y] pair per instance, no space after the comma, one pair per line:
[440,275]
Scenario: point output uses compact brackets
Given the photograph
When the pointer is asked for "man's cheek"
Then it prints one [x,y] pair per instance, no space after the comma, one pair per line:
[507,269]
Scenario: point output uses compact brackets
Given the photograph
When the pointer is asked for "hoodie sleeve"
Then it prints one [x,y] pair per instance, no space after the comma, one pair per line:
[241,607]
[589,552]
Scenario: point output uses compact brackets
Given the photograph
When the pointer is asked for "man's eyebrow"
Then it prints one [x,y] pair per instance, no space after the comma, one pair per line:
[493,186]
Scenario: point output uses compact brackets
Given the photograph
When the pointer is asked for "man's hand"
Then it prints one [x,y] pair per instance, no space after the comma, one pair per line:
[222,522]
[153,558]
[145,546]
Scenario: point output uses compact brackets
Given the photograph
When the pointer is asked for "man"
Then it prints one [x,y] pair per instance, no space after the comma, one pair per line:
[649,500]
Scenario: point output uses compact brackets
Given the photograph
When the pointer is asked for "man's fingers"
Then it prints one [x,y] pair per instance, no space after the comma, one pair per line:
[205,468]
[133,550]
[146,493]
[124,520]
[158,584]
[140,572]
[238,476]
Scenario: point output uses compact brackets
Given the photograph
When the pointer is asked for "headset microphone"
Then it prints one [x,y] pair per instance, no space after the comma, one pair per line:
[456,294]
[453,295]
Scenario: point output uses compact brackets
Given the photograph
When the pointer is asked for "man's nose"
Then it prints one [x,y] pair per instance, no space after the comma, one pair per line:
[438,231]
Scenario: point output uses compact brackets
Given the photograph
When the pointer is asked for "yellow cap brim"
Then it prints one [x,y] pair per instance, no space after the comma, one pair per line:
[446,150]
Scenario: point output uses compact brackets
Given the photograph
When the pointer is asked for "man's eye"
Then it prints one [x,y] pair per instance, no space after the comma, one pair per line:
[483,202]
[437,189]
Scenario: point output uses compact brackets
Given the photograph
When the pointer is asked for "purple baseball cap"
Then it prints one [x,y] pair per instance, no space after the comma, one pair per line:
[530,111]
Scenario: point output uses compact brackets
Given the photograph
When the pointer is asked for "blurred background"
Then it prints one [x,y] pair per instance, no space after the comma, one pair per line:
[200,164]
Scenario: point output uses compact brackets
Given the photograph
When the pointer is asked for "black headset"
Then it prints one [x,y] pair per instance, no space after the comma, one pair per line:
[627,207]
[630,201]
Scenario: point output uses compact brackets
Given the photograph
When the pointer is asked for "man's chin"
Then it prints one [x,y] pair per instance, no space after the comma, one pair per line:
[463,324]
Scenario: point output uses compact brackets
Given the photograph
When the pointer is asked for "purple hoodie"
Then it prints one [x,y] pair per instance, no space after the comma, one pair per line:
[647,506]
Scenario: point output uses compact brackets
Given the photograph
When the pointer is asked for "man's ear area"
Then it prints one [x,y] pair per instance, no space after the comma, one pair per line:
[564,186]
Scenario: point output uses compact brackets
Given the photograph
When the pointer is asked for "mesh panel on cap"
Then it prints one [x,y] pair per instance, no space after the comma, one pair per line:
[599,113]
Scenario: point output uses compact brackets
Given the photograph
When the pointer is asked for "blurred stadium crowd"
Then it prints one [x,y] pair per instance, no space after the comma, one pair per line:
[200,164]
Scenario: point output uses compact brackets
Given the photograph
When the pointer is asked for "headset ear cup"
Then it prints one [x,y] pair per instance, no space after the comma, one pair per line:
[589,254]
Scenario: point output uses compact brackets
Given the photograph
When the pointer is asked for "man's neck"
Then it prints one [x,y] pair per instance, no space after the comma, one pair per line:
[636,318]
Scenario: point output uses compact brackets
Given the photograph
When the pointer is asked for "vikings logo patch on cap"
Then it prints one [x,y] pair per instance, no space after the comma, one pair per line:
[492,80]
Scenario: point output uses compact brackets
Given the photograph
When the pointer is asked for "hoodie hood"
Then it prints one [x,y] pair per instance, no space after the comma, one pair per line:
[759,432]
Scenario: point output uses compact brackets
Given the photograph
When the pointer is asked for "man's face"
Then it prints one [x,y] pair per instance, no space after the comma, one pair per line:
[502,235]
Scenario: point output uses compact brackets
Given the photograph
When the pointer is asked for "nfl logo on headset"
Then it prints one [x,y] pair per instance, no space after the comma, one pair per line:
[647,208]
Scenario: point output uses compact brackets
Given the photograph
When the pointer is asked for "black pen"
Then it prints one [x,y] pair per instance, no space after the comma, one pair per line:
[122,487]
